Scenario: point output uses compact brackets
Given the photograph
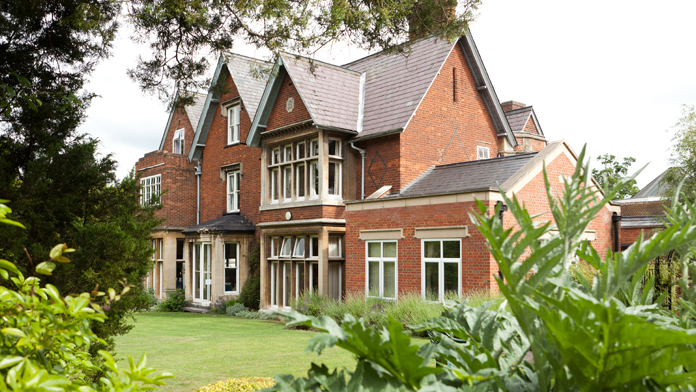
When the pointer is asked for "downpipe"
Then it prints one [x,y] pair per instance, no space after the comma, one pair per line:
[362,154]
[198,193]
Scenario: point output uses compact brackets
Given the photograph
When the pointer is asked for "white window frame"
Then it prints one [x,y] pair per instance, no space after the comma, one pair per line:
[287,179]
[300,168]
[483,152]
[287,149]
[275,265]
[149,188]
[233,124]
[287,268]
[275,158]
[441,266]
[338,148]
[340,246]
[178,141]
[381,261]
[225,267]
[300,265]
[311,276]
[284,255]
[275,176]
[311,249]
[310,152]
[313,176]
[297,247]
[233,182]
[274,246]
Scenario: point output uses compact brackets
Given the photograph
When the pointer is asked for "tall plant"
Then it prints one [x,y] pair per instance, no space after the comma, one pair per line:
[610,333]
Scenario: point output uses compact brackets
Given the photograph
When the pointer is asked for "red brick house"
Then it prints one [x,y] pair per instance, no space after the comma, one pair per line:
[352,179]
[644,213]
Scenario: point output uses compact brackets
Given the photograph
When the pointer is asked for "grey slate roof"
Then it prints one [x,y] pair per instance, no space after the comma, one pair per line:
[518,118]
[226,223]
[249,81]
[194,111]
[486,174]
[331,93]
[656,188]
[396,83]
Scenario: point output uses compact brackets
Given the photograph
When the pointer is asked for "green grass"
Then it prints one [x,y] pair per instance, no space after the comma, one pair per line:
[203,349]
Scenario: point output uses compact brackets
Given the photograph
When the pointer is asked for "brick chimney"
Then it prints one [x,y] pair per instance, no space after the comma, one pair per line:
[512,105]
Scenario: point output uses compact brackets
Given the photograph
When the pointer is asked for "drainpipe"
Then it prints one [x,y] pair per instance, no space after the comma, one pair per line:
[198,193]
[503,208]
[615,219]
[362,153]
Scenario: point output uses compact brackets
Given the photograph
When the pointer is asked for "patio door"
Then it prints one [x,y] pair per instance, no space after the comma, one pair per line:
[201,274]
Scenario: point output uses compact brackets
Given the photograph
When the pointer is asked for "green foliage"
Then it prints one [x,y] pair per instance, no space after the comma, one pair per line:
[45,337]
[251,292]
[601,332]
[182,33]
[174,303]
[235,309]
[683,156]
[614,171]
[248,314]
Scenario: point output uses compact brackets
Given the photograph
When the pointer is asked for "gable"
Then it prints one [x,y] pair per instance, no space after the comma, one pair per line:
[288,98]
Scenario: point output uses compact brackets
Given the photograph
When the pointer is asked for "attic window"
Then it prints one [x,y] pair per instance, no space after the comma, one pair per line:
[233,124]
[483,152]
[178,142]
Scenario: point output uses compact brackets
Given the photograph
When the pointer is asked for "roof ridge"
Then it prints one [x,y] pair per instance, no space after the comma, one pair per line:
[246,57]
[520,110]
[324,63]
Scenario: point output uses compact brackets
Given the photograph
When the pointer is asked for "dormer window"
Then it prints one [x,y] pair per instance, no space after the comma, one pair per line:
[483,152]
[233,114]
[178,142]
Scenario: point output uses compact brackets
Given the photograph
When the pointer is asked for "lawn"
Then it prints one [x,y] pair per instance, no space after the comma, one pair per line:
[201,349]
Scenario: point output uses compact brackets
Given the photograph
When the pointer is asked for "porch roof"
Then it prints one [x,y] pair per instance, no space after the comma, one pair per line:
[232,222]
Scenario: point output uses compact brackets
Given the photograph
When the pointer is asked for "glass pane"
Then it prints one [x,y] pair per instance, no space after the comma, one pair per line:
[288,182]
[287,247]
[314,169]
[287,294]
[299,247]
[451,280]
[274,184]
[373,279]
[274,247]
[315,277]
[274,284]
[451,249]
[389,249]
[389,279]
[315,148]
[179,249]
[432,249]
[288,153]
[276,156]
[374,249]
[332,147]
[315,247]
[231,255]
[299,283]
[300,151]
[332,179]
[300,181]
[432,289]
[230,279]
[334,246]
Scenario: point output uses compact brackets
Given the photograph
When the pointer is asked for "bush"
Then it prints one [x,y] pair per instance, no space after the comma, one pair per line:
[45,337]
[251,292]
[220,306]
[174,302]
[249,315]
[239,385]
[269,316]
[150,299]
[236,309]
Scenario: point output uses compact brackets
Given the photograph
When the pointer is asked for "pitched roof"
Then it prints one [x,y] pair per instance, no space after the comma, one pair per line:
[465,177]
[330,93]
[518,118]
[226,223]
[248,74]
[656,188]
[396,83]
[650,208]
[194,111]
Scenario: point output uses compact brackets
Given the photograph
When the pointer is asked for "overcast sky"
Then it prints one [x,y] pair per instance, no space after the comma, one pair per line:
[612,74]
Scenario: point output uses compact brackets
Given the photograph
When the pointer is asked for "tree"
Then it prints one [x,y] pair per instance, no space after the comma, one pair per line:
[613,172]
[183,33]
[683,156]
[608,333]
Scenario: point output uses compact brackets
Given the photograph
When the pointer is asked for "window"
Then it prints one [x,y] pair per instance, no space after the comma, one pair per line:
[287,183]
[334,178]
[313,179]
[233,191]
[300,182]
[335,148]
[286,248]
[314,247]
[299,247]
[275,194]
[288,154]
[299,279]
[483,152]
[381,269]
[441,269]
[314,148]
[178,142]
[149,189]
[233,124]
[335,246]
[274,246]
[275,156]
[287,284]
[231,268]
[274,284]
[300,150]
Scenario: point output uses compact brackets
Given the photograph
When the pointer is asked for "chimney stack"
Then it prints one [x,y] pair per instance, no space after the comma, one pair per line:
[512,105]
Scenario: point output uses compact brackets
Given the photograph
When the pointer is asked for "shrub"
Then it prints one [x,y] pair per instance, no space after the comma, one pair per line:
[269,316]
[45,337]
[220,306]
[174,302]
[236,309]
[607,334]
[239,385]
[150,299]
[249,315]
[250,295]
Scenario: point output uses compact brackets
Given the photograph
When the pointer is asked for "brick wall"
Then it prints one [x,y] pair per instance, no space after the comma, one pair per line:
[629,236]
[382,164]
[217,154]
[429,139]
[179,120]
[178,182]
[279,115]
[530,126]
[528,144]
[298,213]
